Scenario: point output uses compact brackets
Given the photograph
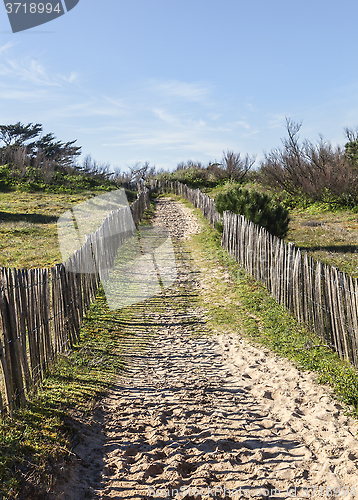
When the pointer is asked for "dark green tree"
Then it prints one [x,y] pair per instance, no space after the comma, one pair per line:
[25,144]
[18,134]
[351,147]
[63,153]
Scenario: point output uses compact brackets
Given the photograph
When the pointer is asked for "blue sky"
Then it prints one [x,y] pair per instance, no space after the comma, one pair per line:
[166,81]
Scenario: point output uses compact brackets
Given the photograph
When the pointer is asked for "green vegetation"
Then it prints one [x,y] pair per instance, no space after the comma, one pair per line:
[316,183]
[32,179]
[313,172]
[298,174]
[324,229]
[28,226]
[28,230]
[195,175]
[256,207]
[33,161]
[328,236]
[26,145]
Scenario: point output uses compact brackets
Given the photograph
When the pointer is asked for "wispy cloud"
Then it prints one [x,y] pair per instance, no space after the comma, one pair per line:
[174,133]
[244,124]
[277,121]
[33,72]
[87,108]
[30,70]
[73,77]
[21,94]
[166,117]
[195,92]
[188,142]
[5,48]
[115,101]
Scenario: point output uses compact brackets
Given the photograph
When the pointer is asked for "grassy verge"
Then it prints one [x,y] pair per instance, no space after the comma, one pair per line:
[28,226]
[331,237]
[238,304]
[28,230]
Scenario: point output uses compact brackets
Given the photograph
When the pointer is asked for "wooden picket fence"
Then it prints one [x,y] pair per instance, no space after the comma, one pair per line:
[321,296]
[41,310]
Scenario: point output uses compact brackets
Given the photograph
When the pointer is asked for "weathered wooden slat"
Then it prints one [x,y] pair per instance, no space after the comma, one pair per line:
[15,347]
[333,281]
[342,316]
[20,288]
[4,352]
[351,320]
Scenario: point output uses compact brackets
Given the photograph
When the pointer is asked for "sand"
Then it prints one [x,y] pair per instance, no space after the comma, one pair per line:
[199,416]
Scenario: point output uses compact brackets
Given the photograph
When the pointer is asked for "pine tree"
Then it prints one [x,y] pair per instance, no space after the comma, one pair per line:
[256,207]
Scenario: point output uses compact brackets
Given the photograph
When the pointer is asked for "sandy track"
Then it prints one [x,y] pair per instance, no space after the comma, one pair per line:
[208,412]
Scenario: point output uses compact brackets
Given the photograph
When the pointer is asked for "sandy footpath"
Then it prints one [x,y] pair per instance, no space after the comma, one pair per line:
[208,416]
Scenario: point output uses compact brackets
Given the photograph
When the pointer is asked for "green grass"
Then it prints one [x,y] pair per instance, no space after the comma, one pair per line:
[149,213]
[28,226]
[28,229]
[331,237]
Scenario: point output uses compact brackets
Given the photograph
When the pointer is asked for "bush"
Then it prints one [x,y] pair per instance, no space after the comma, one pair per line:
[192,174]
[195,175]
[33,179]
[315,171]
[6,180]
[256,207]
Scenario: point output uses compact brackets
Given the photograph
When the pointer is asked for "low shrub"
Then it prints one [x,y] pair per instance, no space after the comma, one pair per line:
[256,207]
[233,167]
[32,179]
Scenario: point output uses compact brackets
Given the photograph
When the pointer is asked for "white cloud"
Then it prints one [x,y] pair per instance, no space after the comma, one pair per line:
[93,107]
[30,70]
[196,92]
[244,124]
[189,136]
[6,47]
[117,102]
[277,121]
[70,79]
[166,117]
[19,94]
